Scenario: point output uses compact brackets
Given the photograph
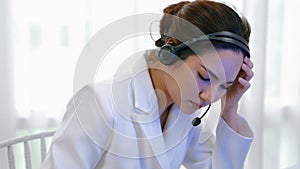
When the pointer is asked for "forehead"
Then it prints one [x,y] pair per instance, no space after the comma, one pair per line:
[231,62]
[224,63]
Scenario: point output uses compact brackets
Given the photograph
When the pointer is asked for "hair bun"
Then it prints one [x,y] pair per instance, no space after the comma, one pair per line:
[159,43]
[174,8]
[165,22]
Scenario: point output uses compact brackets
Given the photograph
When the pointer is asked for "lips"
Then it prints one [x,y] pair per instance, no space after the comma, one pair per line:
[198,105]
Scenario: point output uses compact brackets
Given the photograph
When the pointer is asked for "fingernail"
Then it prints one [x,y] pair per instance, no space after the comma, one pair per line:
[244,66]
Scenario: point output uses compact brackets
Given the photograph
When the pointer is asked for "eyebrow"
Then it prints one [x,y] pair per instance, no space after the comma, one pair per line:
[209,72]
[213,74]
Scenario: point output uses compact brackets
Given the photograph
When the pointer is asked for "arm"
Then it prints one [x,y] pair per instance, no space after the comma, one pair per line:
[227,150]
[234,93]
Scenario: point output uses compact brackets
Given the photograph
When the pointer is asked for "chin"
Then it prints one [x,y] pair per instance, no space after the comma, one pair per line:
[189,108]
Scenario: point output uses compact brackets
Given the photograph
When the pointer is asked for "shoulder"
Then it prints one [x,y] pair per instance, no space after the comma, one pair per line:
[92,93]
[92,108]
[91,104]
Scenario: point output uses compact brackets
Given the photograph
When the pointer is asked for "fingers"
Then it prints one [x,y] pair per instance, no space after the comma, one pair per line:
[247,68]
[248,74]
[246,85]
[248,62]
[241,84]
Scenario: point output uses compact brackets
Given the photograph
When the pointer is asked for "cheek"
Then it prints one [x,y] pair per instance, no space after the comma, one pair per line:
[217,93]
[187,84]
[217,90]
[182,88]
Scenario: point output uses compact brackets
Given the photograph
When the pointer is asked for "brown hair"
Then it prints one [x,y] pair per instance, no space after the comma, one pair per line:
[208,16]
[166,23]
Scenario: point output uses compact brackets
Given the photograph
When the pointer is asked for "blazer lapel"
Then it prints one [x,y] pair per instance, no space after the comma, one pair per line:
[178,123]
[151,143]
[146,119]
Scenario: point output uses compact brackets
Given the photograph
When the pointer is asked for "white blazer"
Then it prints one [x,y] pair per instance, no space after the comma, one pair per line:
[116,126]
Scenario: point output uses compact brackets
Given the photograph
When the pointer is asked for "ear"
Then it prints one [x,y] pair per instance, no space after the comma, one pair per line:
[172,41]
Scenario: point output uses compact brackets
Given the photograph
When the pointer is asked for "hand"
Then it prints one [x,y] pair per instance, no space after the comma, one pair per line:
[239,86]
[235,92]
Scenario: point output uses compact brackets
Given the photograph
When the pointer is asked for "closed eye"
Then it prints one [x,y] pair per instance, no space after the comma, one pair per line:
[203,78]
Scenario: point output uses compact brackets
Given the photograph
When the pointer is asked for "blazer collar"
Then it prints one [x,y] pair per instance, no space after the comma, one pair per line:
[144,96]
[146,115]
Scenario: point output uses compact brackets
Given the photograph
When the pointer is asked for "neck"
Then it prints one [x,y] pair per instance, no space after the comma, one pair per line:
[157,74]
[164,99]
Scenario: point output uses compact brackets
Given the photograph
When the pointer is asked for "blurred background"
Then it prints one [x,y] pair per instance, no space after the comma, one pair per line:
[41,40]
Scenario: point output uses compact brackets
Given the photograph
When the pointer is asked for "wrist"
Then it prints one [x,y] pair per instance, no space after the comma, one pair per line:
[230,116]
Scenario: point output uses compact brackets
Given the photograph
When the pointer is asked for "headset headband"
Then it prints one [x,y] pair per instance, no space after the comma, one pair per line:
[167,53]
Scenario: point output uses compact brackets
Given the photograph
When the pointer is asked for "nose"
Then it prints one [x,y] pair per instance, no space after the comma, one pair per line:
[205,95]
[205,92]
[212,93]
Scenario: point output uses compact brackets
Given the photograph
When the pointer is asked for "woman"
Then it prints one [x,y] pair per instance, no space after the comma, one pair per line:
[144,120]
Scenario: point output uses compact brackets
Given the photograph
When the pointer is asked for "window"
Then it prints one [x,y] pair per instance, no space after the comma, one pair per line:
[48,39]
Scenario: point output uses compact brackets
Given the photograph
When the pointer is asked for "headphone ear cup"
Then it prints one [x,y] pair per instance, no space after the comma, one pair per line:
[166,55]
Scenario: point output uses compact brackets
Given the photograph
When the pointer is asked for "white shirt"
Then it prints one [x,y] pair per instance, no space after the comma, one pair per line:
[116,126]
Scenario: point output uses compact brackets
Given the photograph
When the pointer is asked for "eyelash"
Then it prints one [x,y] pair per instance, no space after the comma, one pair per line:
[201,77]
[204,79]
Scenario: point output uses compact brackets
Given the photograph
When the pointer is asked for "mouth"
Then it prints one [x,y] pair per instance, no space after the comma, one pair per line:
[198,105]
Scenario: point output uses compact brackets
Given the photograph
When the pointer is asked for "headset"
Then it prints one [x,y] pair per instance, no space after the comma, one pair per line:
[168,53]
[197,120]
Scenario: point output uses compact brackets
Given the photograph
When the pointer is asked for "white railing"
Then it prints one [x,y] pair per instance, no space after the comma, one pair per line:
[27,153]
